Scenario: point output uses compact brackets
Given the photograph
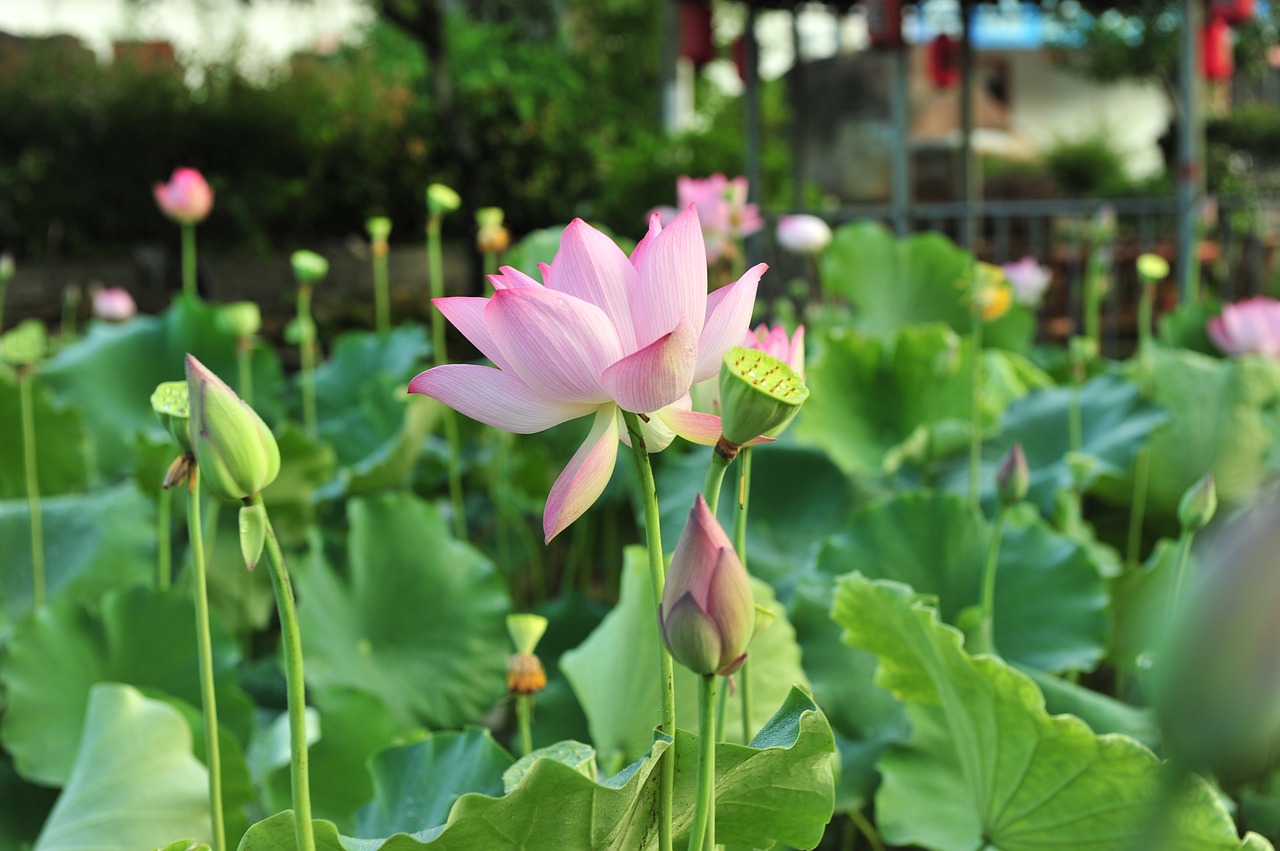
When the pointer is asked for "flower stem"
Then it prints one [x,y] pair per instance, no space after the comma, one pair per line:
[381,297]
[1145,310]
[244,369]
[204,645]
[986,631]
[435,263]
[1137,512]
[704,806]
[307,351]
[1179,576]
[867,829]
[291,638]
[975,407]
[523,720]
[164,539]
[657,577]
[189,261]
[33,486]
[715,478]
[740,544]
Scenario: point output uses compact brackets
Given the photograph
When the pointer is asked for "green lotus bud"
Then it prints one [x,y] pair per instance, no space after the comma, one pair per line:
[309,267]
[526,631]
[235,451]
[242,318]
[489,217]
[441,199]
[759,395]
[7,268]
[1152,268]
[708,612]
[253,533]
[1013,478]
[25,344]
[169,401]
[1198,505]
[379,228]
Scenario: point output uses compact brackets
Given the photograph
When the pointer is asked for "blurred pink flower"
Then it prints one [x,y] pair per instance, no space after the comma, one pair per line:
[1248,327]
[776,343]
[605,334]
[722,208]
[1029,280]
[113,304]
[803,234]
[186,198]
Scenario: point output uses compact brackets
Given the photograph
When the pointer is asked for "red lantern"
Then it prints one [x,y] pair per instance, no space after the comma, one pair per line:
[884,23]
[1215,41]
[942,61]
[1234,12]
[696,41]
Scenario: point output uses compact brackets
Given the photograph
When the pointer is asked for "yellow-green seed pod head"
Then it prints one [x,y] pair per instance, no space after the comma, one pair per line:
[379,228]
[169,401]
[526,631]
[1152,268]
[759,395]
[309,267]
[441,199]
[489,217]
[242,318]
[25,344]
[236,453]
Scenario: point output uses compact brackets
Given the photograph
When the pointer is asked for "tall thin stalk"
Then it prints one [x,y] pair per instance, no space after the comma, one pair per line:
[189,287]
[33,485]
[307,352]
[164,539]
[975,406]
[740,544]
[435,261]
[204,643]
[704,805]
[381,295]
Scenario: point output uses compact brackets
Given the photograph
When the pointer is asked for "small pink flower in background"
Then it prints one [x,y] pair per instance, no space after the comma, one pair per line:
[789,350]
[1248,327]
[1029,280]
[186,198]
[723,211]
[803,234]
[602,334]
[113,304]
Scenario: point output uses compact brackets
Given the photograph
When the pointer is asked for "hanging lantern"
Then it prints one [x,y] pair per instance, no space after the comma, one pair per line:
[1216,50]
[1234,12]
[942,61]
[696,41]
[884,23]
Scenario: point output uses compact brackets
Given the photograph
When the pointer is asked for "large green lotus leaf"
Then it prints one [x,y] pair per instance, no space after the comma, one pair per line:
[419,619]
[776,791]
[1115,421]
[306,467]
[557,716]
[134,784]
[62,443]
[895,283]
[140,636]
[1050,602]
[874,403]
[416,784]
[989,768]
[614,672]
[92,542]
[110,373]
[1141,601]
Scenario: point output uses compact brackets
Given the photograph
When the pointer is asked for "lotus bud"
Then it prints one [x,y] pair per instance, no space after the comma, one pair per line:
[1152,268]
[1013,478]
[441,199]
[7,268]
[379,228]
[759,395]
[1198,505]
[235,451]
[253,532]
[186,198]
[242,318]
[803,234]
[708,613]
[169,401]
[309,267]
[113,304]
[491,237]
[25,344]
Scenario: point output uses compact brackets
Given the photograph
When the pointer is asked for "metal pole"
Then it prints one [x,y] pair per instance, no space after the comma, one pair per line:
[670,106]
[1189,145]
[799,119]
[751,109]
[900,149]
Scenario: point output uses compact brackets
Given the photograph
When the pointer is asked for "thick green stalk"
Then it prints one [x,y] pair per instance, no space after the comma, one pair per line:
[1146,308]
[986,629]
[291,638]
[435,262]
[975,407]
[164,539]
[715,479]
[1137,512]
[307,351]
[524,722]
[189,287]
[740,544]
[867,829]
[244,369]
[204,646]
[704,805]
[1075,422]
[33,486]
[1179,576]
[657,578]
[381,297]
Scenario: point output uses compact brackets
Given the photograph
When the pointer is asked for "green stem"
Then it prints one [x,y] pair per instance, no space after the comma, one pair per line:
[1093,300]
[740,544]
[715,478]
[1075,423]
[435,263]
[1179,577]
[975,408]
[381,296]
[705,803]
[164,539]
[204,644]
[1137,512]
[33,486]
[526,728]
[307,351]
[1146,308]
[867,829]
[189,287]
[986,631]
[244,369]
[657,577]
[291,637]
[722,710]
[70,306]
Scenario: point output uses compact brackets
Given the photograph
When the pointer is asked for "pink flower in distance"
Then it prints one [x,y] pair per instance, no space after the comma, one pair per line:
[775,342]
[1029,280]
[803,234]
[186,198]
[1248,327]
[603,334]
[113,304]
[723,211]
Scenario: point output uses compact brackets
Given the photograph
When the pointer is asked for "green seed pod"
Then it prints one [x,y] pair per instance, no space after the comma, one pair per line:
[253,533]
[526,631]
[242,318]
[441,199]
[379,228]
[759,395]
[309,267]
[169,401]
[236,453]
[1198,505]
[25,344]
[1152,268]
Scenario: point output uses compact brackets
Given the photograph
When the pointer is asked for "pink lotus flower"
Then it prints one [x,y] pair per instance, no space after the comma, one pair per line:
[708,612]
[775,342]
[113,304]
[186,198]
[1248,327]
[803,234]
[606,333]
[1029,280]
[723,211]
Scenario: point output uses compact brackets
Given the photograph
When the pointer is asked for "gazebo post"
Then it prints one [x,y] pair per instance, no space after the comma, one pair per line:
[1190,164]
[751,110]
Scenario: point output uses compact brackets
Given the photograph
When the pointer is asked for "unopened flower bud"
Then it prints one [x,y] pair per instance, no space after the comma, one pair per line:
[253,532]
[25,344]
[379,228]
[441,199]
[759,395]
[708,613]
[1152,268]
[803,234]
[236,453]
[1198,505]
[169,401]
[526,631]
[7,268]
[1013,478]
[525,674]
[309,267]
[242,318]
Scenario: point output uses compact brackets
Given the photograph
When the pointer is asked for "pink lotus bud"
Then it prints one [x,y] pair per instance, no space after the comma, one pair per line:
[803,234]
[1029,280]
[708,612]
[113,304]
[1013,478]
[186,198]
[1248,327]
